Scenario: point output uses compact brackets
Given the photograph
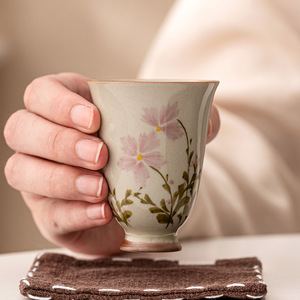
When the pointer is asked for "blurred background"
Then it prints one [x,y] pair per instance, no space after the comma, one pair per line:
[96,38]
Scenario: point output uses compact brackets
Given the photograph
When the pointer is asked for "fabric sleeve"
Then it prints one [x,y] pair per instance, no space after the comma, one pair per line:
[250,181]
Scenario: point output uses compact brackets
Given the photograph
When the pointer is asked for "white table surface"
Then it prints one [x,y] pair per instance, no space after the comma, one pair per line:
[279,254]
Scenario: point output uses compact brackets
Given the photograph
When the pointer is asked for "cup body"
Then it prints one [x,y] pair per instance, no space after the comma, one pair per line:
[156,135]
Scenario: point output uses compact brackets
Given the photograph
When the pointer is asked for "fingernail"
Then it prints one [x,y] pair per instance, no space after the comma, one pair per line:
[96,211]
[89,185]
[89,150]
[82,116]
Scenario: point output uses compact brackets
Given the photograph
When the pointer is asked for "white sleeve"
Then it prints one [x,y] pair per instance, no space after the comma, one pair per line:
[250,181]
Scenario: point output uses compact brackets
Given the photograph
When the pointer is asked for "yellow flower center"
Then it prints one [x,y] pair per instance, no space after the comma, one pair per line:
[139,157]
[158,128]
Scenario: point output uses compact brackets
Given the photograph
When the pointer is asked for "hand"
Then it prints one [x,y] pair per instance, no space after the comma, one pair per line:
[56,165]
[57,160]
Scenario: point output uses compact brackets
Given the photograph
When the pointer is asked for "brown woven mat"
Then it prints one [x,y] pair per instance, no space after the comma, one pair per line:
[56,276]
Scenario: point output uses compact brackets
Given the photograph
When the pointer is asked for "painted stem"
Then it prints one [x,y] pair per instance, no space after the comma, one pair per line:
[169,191]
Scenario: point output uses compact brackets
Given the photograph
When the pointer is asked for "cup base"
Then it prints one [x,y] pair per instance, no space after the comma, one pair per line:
[131,246]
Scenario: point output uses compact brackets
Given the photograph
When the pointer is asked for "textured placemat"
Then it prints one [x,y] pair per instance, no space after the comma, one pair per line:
[57,276]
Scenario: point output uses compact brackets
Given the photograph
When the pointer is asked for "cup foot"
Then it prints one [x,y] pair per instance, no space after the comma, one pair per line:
[131,246]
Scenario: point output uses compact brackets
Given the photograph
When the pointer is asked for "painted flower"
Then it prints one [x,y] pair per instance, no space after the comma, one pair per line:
[138,155]
[164,120]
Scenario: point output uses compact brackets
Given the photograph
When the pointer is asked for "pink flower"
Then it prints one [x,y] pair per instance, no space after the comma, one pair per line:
[139,155]
[164,120]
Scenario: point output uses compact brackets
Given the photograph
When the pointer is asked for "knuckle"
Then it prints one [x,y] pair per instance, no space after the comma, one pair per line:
[10,170]
[54,180]
[58,181]
[55,140]
[63,103]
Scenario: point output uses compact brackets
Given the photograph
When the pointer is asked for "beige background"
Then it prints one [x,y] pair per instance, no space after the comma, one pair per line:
[97,38]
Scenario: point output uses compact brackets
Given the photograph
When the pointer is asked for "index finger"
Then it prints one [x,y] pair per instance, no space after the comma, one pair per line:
[63,99]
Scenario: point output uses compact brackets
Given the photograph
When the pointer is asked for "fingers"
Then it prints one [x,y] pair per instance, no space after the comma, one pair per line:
[28,133]
[58,217]
[214,124]
[79,226]
[63,99]
[31,174]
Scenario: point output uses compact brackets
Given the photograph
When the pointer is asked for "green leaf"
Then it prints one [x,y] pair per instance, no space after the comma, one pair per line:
[155,210]
[112,208]
[127,194]
[185,200]
[118,204]
[116,214]
[118,217]
[185,176]
[138,197]
[175,195]
[173,200]
[143,201]
[193,177]
[191,156]
[191,187]
[126,202]
[186,210]
[166,187]
[149,201]
[195,167]
[191,141]
[164,219]
[127,214]
[180,217]
[163,205]
[136,194]
[180,190]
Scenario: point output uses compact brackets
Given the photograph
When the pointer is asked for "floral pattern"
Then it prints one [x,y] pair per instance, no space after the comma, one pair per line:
[165,120]
[139,155]
[142,157]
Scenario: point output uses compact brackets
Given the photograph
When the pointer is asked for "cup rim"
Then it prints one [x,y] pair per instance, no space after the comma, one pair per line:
[149,81]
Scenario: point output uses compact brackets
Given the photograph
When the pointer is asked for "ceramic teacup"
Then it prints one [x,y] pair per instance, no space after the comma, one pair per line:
[156,134]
